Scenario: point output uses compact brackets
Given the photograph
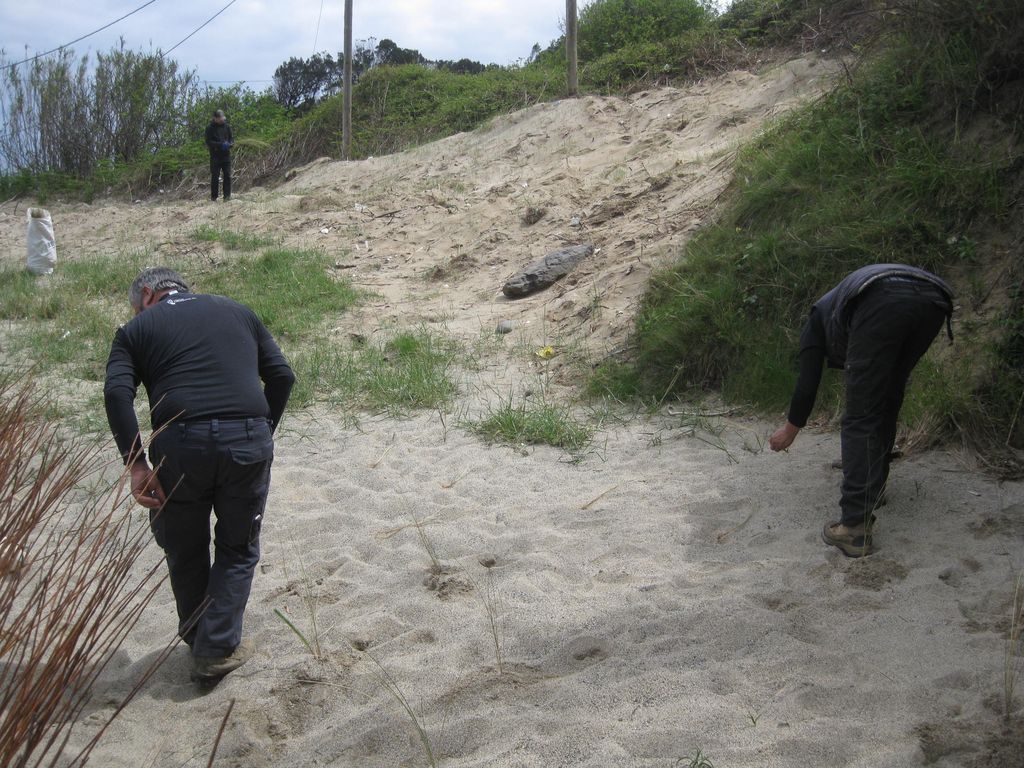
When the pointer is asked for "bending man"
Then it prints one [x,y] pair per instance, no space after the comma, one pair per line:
[876,323]
[201,359]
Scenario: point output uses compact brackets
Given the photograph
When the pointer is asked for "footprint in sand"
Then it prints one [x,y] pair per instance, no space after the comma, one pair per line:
[446,583]
[955,574]
[874,573]
[587,650]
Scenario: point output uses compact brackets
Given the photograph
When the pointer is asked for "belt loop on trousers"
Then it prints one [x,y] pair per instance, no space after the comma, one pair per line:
[248,428]
[214,427]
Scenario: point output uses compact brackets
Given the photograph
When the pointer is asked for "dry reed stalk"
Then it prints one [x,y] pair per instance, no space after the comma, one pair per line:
[1014,647]
[382,456]
[449,486]
[720,538]
[391,532]
[220,733]
[599,496]
[71,593]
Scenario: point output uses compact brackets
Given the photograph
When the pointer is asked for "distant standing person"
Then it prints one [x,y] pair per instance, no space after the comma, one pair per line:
[219,141]
[876,323]
[217,385]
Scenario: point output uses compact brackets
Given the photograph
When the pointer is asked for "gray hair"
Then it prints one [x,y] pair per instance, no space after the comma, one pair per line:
[218,113]
[156,279]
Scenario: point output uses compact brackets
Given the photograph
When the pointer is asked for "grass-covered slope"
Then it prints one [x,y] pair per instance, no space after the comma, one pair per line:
[916,159]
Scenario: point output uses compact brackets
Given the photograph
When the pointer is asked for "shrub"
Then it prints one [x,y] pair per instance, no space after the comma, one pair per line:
[609,25]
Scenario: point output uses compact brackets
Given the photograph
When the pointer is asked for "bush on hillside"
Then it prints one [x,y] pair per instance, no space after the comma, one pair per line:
[696,53]
[68,115]
[609,25]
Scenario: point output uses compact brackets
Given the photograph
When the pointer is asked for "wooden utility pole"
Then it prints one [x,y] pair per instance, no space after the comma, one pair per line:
[570,45]
[346,112]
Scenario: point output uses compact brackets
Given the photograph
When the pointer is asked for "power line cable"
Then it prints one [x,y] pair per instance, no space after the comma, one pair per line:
[218,13]
[316,37]
[79,39]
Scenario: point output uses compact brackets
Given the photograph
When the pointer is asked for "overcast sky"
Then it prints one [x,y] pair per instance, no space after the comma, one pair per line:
[251,38]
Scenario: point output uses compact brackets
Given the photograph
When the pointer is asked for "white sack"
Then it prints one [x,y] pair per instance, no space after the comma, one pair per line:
[42,246]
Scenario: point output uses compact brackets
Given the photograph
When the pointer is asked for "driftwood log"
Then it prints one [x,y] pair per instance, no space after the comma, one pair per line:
[543,273]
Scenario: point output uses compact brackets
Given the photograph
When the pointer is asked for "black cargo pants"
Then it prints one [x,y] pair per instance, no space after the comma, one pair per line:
[218,165]
[223,465]
[892,325]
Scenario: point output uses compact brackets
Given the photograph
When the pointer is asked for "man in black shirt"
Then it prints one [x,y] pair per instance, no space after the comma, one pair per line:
[219,141]
[217,385]
[876,324]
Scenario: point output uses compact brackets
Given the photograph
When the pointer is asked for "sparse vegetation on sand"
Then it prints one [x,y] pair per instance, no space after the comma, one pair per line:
[62,325]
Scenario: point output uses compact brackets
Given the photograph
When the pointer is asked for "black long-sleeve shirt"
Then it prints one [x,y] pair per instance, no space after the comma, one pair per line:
[200,357]
[813,347]
[825,335]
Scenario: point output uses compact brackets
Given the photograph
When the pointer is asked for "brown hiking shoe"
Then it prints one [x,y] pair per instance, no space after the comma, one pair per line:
[851,541]
[215,667]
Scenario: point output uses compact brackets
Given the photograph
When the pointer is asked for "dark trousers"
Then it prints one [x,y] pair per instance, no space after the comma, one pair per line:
[218,165]
[892,326]
[223,465]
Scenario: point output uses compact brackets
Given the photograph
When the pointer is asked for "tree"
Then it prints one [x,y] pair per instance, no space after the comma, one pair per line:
[364,56]
[63,114]
[300,83]
[388,53]
[461,67]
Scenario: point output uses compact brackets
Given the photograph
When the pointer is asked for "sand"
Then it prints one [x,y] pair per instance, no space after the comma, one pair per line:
[665,593]
[662,596]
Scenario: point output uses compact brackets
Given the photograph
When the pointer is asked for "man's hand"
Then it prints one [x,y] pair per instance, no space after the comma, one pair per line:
[783,437]
[146,487]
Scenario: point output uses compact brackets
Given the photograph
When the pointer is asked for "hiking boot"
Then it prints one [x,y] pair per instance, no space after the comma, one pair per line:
[215,667]
[852,541]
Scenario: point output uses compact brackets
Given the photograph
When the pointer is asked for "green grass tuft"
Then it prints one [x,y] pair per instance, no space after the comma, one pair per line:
[232,241]
[410,371]
[534,424]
